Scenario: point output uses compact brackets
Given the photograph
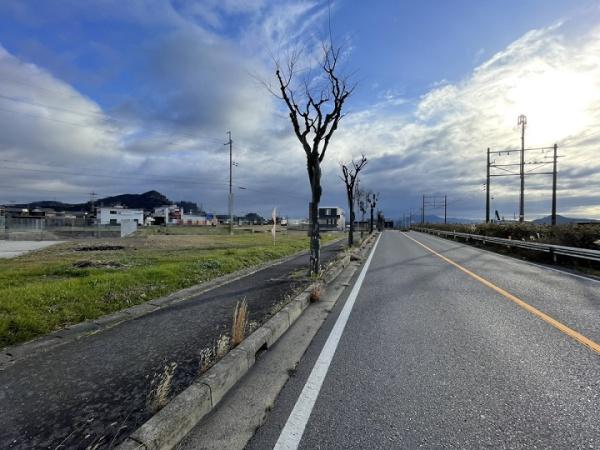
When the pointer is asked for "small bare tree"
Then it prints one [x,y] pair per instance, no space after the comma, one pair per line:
[361,198]
[315,109]
[350,177]
[372,199]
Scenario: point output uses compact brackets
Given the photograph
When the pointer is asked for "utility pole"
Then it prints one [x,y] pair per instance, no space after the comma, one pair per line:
[522,173]
[522,121]
[410,218]
[554,174]
[92,201]
[487,189]
[423,211]
[230,143]
[445,208]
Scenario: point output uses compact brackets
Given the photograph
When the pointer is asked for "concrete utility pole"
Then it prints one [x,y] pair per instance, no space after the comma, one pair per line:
[445,208]
[522,121]
[487,189]
[423,212]
[554,175]
[93,196]
[230,143]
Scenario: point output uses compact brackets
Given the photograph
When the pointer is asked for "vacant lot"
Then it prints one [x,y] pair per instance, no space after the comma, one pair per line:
[72,282]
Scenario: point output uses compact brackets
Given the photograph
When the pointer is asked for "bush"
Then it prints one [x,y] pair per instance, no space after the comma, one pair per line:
[582,236]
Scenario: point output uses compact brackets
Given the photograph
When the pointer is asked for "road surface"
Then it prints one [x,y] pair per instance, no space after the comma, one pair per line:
[448,346]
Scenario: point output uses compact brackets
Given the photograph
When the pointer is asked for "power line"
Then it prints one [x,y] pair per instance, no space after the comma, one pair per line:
[126,176]
[53,91]
[161,179]
[522,173]
[91,114]
[79,169]
[434,202]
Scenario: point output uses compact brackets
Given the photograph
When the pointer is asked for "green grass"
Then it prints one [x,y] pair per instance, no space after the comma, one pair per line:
[207,230]
[46,290]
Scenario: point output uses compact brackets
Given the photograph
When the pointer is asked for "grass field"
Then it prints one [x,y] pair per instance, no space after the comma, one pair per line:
[76,281]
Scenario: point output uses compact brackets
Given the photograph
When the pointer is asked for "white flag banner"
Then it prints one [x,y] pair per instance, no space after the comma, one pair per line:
[274,229]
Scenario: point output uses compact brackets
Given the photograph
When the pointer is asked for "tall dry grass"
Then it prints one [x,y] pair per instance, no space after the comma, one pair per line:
[240,321]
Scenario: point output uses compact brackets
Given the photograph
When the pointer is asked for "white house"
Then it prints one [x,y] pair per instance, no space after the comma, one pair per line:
[167,215]
[332,218]
[114,215]
[193,219]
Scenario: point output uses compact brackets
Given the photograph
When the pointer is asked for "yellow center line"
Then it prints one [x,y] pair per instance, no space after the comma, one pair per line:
[546,318]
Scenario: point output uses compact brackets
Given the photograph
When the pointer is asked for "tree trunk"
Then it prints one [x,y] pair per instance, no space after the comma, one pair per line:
[351,231]
[371,222]
[314,175]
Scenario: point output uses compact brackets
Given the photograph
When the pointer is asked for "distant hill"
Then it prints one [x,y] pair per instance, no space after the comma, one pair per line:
[561,220]
[148,201]
[438,219]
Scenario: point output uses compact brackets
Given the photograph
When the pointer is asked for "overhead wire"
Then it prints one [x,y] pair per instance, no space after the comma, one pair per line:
[96,115]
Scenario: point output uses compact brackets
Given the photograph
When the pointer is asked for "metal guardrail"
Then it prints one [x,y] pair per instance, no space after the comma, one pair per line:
[553,250]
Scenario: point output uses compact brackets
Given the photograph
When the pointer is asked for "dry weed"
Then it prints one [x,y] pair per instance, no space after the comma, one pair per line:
[222,346]
[315,294]
[240,320]
[159,396]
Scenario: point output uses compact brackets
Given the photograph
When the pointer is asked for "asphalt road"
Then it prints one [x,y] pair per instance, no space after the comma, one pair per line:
[93,392]
[432,357]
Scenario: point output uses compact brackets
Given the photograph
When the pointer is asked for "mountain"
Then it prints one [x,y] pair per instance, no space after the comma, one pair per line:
[147,201]
[561,220]
[438,219]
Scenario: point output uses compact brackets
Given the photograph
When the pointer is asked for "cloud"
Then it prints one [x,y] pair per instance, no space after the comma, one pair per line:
[43,118]
[191,87]
[440,148]
[194,78]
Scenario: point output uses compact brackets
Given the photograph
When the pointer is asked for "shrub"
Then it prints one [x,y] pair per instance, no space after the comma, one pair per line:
[572,235]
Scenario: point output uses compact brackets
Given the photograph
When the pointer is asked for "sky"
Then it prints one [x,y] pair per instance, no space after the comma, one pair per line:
[118,97]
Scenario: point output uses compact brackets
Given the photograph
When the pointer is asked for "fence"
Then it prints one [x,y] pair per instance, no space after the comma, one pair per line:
[52,228]
[553,250]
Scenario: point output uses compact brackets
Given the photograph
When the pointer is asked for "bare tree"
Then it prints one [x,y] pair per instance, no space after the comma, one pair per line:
[361,205]
[372,199]
[380,220]
[350,173]
[315,109]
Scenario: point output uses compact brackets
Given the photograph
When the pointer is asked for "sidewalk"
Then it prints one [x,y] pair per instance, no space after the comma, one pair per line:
[96,390]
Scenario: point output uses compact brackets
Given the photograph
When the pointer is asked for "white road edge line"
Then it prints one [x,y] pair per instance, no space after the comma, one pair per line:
[292,432]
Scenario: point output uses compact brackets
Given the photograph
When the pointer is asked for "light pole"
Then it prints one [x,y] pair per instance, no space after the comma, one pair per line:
[230,143]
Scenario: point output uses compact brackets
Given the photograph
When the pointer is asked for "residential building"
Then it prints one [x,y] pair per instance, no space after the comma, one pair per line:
[198,219]
[115,214]
[331,218]
[167,215]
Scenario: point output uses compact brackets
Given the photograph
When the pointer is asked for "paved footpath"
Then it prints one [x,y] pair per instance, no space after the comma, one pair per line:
[11,249]
[93,392]
[438,352]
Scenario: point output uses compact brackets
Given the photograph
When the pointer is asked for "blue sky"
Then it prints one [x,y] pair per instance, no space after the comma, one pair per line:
[144,91]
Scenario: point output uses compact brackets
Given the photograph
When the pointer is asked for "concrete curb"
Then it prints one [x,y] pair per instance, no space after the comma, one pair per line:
[10,355]
[166,428]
